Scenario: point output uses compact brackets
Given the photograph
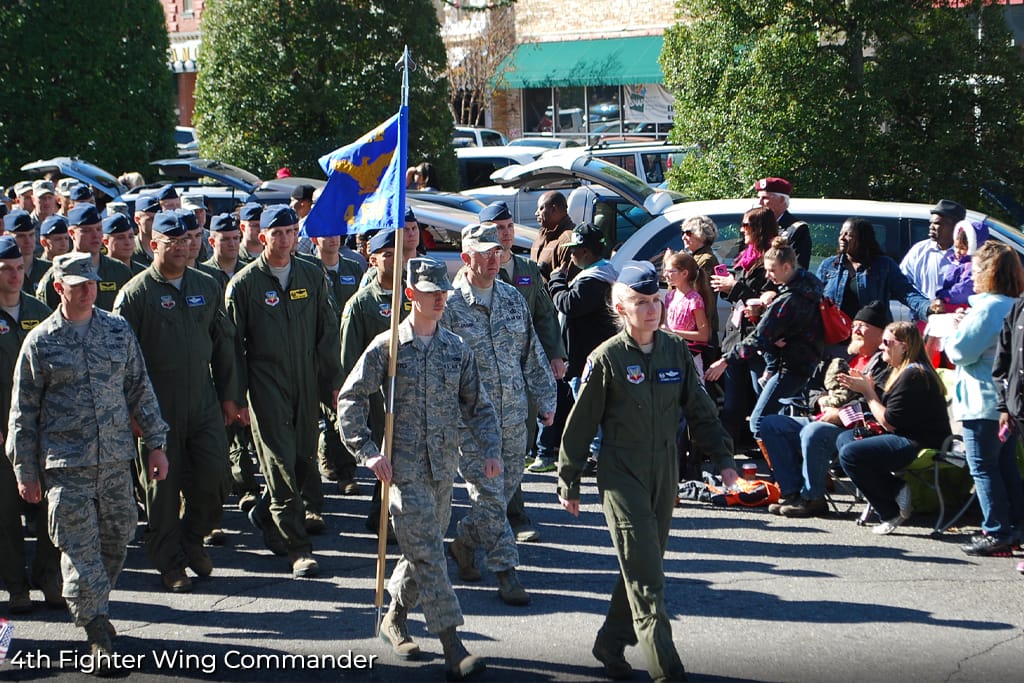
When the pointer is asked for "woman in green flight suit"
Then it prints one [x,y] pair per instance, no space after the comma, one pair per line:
[634,386]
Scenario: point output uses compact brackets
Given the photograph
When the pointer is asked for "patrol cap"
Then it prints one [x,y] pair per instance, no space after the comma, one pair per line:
[277,216]
[54,225]
[193,202]
[223,222]
[303,192]
[64,185]
[118,207]
[74,268]
[950,209]
[409,215]
[496,211]
[18,220]
[23,187]
[587,235]
[382,240]
[250,211]
[167,192]
[9,248]
[116,224]
[80,193]
[149,203]
[188,218]
[480,237]
[640,276]
[41,187]
[83,214]
[168,223]
[428,275]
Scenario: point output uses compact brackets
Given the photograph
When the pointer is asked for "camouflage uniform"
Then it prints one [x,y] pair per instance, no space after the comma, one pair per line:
[288,355]
[514,371]
[113,276]
[32,311]
[435,386]
[184,335]
[71,411]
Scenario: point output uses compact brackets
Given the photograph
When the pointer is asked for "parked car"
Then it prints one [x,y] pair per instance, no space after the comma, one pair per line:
[186,140]
[546,142]
[452,199]
[476,164]
[469,136]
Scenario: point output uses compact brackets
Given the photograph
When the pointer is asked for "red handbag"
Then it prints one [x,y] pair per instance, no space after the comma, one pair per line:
[837,325]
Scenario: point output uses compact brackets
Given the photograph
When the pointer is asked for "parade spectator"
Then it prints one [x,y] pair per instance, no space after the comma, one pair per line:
[699,233]
[79,381]
[686,304]
[441,388]
[923,262]
[957,279]
[860,273]
[549,250]
[789,337]
[773,194]
[974,348]
[748,281]
[911,410]
[629,385]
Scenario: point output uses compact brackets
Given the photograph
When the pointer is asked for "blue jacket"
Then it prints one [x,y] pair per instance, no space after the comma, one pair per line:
[882,280]
[972,347]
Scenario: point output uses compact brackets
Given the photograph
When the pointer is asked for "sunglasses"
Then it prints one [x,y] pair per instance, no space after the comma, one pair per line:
[890,342]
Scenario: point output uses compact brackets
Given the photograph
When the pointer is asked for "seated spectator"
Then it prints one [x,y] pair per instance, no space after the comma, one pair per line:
[800,449]
[789,336]
[911,410]
[957,280]
[860,273]
[991,455]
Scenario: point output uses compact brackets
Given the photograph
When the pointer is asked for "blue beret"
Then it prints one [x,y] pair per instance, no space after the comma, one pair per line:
[18,220]
[168,223]
[498,211]
[54,225]
[640,276]
[9,248]
[80,193]
[382,240]
[187,218]
[117,223]
[168,192]
[409,215]
[83,214]
[223,222]
[276,216]
[149,203]
[250,211]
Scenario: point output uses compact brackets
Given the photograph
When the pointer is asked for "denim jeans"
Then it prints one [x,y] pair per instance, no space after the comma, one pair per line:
[996,477]
[782,385]
[870,464]
[800,451]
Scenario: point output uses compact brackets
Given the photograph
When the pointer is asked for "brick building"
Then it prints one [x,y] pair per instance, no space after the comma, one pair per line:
[183,30]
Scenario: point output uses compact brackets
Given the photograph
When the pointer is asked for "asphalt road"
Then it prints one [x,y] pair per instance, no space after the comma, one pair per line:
[753,597]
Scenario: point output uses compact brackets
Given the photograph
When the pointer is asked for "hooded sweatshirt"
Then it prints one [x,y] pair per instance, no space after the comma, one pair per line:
[584,310]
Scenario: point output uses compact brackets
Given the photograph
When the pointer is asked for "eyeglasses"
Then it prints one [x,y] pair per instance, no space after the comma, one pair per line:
[889,342]
[744,225]
[669,271]
[172,243]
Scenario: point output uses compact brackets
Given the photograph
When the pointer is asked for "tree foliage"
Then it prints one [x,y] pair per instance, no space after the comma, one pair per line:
[282,83]
[88,80]
[856,98]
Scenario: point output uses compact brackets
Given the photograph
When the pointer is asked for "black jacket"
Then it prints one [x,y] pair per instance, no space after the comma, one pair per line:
[798,234]
[584,310]
[749,285]
[1008,366]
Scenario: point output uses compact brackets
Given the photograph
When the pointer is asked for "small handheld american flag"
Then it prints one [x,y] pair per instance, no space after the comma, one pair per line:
[851,414]
[6,634]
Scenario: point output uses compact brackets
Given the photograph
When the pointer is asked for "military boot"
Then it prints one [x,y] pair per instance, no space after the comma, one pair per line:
[611,653]
[510,590]
[395,632]
[465,557]
[97,633]
[459,664]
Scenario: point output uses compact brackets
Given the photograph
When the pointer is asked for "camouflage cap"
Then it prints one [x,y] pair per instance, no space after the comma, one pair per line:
[480,237]
[41,187]
[74,268]
[428,275]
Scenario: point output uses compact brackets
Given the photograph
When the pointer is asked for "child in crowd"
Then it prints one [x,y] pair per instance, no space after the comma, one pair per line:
[686,303]
[958,280]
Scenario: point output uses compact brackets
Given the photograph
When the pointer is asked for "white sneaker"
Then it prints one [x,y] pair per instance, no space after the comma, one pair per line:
[903,501]
[887,527]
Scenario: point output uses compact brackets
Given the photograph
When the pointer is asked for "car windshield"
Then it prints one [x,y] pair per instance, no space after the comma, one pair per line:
[611,175]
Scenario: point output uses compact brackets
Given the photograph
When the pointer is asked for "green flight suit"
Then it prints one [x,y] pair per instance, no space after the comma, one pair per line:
[637,398]
[188,344]
[35,274]
[288,353]
[12,538]
[113,276]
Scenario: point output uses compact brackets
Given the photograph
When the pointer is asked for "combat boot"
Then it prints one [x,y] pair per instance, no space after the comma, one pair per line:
[458,664]
[611,653]
[97,633]
[176,581]
[395,632]
[20,602]
[303,565]
[465,557]
[510,590]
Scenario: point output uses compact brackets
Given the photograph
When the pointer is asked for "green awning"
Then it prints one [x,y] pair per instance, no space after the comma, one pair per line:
[612,61]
